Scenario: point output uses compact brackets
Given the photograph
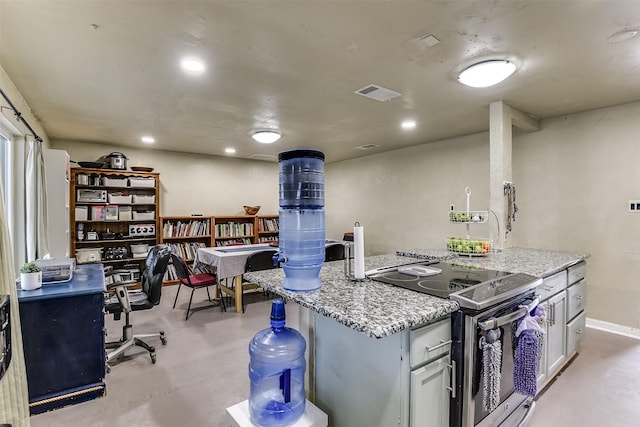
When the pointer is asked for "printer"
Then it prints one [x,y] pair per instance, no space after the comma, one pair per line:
[56,270]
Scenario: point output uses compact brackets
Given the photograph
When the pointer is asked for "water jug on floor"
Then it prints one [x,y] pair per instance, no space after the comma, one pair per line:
[302,224]
[276,372]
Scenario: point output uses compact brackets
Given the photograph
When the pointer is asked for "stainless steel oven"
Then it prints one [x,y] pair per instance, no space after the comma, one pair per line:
[489,300]
[471,405]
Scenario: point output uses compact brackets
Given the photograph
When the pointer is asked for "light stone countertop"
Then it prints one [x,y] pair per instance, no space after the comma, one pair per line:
[536,262]
[379,310]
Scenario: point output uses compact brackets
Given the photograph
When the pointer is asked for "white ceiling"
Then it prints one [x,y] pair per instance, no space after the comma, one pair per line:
[107,71]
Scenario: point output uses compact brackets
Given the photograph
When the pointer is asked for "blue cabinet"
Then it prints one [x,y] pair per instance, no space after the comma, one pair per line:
[63,336]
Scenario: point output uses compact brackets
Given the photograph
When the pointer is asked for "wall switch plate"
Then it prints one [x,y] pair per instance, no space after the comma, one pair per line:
[634,206]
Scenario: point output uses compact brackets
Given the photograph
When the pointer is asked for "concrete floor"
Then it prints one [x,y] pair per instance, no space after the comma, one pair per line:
[203,370]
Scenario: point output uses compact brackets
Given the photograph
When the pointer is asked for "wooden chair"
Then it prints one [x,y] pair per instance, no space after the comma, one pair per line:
[194,281]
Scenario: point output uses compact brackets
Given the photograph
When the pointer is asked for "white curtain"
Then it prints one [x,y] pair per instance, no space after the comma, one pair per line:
[36,194]
[14,399]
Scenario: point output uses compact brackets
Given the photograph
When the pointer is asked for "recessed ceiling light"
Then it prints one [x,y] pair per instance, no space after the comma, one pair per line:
[192,65]
[266,136]
[487,73]
[408,124]
[230,150]
[148,139]
[623,36]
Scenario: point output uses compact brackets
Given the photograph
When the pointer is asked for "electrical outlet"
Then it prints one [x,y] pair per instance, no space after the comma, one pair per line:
[634,206]
[452,207]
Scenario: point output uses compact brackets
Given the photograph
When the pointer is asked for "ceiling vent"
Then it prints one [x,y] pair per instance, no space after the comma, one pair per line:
[377,92]
[366,146]
[266,157]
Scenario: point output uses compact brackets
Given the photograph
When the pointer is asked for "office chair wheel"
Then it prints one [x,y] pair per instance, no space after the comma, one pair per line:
[163,339]
[153,358]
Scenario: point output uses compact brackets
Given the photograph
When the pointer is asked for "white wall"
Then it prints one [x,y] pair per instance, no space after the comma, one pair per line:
[192,183]
[574,178]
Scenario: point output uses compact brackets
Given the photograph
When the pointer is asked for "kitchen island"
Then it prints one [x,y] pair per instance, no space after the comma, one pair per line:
[364,366]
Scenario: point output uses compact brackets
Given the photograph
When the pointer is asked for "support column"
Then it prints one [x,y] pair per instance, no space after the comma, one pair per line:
[501,118]
[499,169]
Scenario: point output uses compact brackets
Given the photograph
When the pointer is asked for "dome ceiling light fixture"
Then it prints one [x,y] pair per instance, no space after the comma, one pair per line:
[623,36]
[266,136]
[486,73]
[193,65]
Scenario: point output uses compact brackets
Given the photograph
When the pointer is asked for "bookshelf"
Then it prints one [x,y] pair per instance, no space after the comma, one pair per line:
[184,235]
[111,210]
[235,230]
[268,228]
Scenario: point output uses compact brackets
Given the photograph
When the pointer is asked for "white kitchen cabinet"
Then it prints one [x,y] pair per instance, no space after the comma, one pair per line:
[57,173]
[553,297]
[575,333]
[576,304]
[430,396]
[556,336]
[385,389]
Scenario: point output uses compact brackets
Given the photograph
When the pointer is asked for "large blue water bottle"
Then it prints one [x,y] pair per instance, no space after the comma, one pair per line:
[301,238]
[276,371]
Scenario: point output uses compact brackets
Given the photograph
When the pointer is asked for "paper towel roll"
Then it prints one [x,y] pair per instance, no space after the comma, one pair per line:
[358,252]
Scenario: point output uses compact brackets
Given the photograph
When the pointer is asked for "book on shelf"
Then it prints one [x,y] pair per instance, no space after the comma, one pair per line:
[268,225]
[268,239]
[234,229]
[186,250]
[170,274]
[230,242]
[200,227]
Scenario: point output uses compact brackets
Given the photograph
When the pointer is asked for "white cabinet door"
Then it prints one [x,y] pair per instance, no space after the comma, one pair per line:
[556,333]
[430,394]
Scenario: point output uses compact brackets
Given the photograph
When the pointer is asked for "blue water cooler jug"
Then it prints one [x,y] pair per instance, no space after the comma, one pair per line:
[276,372]
[302,237]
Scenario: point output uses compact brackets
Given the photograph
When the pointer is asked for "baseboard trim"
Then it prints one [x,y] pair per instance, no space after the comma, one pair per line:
[613,328]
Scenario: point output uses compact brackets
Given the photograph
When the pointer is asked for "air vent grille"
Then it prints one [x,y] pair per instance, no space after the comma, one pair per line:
[378,93]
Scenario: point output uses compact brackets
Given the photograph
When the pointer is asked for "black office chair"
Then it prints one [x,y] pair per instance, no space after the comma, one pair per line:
[194,281]
[262,260]
[126,301]
[334,252]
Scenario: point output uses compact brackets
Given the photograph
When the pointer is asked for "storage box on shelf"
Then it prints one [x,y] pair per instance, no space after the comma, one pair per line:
[110,211]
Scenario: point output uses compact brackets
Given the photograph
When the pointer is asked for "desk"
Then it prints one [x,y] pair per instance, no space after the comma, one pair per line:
[229,262]
[63,336]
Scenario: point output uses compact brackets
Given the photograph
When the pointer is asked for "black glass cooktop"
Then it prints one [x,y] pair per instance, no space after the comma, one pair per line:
[472,287]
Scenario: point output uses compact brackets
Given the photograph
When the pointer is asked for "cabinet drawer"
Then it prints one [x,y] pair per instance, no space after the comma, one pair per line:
[577,272]
[575,333]
[576,298]
[552,285]
[430,342]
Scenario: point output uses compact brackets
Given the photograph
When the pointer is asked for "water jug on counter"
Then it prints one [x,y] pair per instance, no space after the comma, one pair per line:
[302,225]
[276,372]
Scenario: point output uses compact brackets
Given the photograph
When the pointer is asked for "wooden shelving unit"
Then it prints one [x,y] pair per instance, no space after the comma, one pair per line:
[268,228]
[231,230]
[112,209]
[184,235]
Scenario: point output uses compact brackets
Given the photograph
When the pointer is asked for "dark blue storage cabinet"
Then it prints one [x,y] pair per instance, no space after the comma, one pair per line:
[63,338]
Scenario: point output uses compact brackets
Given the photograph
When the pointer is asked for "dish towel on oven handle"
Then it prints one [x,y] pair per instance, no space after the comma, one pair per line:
[491,347]
[527,353]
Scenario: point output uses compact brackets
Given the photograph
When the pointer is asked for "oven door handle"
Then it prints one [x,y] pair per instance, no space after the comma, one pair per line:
[487,325]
